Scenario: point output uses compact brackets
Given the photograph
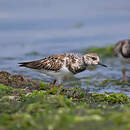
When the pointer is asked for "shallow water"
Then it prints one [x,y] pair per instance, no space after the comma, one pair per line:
[32,29]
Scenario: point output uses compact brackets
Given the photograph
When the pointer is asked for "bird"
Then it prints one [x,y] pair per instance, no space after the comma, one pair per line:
[62,67]
[122,51]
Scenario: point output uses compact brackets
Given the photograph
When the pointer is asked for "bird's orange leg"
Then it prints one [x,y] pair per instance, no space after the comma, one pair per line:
[124,75]
[53,84]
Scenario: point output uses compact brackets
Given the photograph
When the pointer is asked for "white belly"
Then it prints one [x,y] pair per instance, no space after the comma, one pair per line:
[62,74]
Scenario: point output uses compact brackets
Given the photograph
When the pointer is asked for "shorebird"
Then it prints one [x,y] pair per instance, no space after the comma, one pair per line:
[64,66]
[122,50]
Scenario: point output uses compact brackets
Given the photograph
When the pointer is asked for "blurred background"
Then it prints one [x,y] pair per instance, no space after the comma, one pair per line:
[33,29]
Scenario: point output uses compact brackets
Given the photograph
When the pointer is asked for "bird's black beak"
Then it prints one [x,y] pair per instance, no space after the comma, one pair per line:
[99,63]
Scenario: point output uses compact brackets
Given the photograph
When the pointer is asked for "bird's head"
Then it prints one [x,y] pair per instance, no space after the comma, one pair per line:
[92,59]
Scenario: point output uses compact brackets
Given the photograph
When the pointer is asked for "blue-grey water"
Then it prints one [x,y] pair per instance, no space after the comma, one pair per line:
[33,29]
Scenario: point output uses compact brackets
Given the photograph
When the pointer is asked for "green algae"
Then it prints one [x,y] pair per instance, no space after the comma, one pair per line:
[113,82]
[60,108]
[39,107]
[111,98]
[4,90]
[103,52]
[43,84]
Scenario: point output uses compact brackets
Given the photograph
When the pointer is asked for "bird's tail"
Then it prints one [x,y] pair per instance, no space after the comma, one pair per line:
[31,64]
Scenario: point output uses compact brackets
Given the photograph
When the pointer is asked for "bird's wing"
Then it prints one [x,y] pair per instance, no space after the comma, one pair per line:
[53,63]
[74,63]
[126,49]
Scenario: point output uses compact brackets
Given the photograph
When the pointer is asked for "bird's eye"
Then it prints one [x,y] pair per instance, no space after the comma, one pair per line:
[94,58]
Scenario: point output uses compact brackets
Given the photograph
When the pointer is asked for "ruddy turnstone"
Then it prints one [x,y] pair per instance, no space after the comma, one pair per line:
[62,67]
[122,50]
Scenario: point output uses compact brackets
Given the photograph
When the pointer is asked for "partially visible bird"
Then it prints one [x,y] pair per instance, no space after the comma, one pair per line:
[122,50]
[63,67]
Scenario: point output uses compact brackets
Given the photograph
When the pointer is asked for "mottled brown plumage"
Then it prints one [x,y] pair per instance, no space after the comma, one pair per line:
[75,63]
[62,67]
[53,63]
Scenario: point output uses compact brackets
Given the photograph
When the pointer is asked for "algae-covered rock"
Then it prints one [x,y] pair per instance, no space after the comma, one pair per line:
[45,108]
[16,80]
